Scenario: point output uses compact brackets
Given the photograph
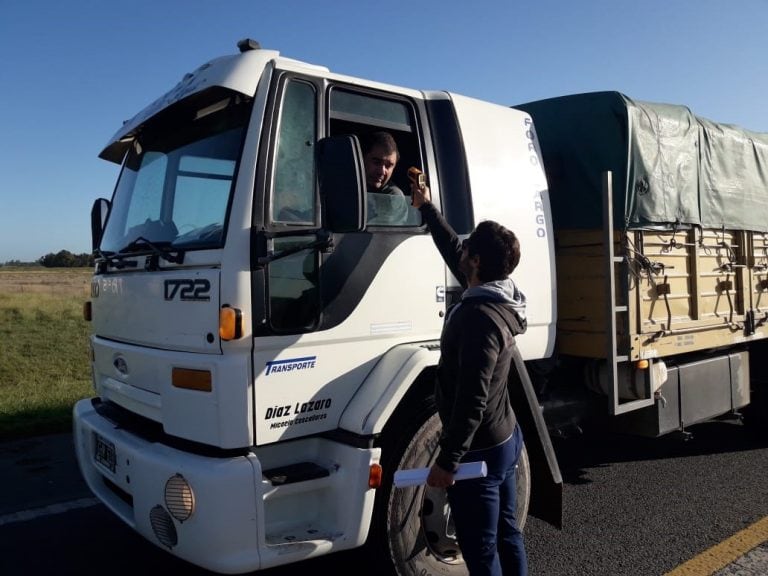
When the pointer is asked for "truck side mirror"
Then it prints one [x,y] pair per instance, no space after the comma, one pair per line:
[99,213]
[341,176]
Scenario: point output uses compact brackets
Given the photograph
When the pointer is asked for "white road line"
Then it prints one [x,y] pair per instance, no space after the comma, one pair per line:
[58,508]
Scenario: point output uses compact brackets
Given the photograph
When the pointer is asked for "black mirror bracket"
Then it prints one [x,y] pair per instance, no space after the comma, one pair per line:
[324,244]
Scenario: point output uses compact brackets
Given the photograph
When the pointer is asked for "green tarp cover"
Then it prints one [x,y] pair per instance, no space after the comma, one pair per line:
[670,167]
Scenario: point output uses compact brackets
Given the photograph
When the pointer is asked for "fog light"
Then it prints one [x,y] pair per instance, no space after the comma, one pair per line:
[179,498]
[162,526]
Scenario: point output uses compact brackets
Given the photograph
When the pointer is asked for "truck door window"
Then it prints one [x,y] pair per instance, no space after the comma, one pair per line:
[293,196]
[293,293]
[360,113]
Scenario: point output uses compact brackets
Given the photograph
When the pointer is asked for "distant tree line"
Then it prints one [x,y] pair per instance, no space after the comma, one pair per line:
[62,259]
[65,259]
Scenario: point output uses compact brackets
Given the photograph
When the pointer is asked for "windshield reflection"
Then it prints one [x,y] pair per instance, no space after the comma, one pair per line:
[174,190]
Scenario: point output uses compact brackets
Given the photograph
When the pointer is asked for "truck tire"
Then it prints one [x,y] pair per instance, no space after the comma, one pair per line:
[413,523]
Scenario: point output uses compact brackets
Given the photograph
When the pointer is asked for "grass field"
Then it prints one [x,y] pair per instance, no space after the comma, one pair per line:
[44,367]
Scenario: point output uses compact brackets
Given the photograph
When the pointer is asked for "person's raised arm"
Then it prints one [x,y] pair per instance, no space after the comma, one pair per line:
[443,235]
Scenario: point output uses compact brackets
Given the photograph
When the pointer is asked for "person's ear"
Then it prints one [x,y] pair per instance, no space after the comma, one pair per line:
[474,267]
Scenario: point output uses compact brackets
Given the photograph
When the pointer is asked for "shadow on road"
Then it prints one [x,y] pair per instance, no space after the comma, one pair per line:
[600,446]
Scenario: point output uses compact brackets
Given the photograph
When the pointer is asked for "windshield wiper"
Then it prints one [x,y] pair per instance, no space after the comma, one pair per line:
[160,249]
[112,259]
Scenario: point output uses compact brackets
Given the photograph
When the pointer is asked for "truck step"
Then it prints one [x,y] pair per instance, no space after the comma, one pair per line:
[301,535]
[299,472]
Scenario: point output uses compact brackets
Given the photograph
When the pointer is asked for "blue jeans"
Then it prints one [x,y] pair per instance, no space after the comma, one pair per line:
[484,513]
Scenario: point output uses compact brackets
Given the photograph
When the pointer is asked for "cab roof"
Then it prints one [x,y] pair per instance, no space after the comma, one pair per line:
[237,72]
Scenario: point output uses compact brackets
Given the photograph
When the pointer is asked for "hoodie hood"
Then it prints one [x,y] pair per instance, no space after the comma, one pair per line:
[503,291]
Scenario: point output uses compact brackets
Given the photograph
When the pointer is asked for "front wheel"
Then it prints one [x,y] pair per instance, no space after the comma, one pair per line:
[414,524]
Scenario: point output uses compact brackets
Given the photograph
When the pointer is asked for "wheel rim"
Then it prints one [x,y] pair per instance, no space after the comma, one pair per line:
[437,526]
[437,520]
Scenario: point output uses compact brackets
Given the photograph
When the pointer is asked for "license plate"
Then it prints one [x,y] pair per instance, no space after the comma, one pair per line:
[104,452]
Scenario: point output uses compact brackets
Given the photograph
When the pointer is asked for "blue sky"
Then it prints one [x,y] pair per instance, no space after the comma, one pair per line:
[73,70]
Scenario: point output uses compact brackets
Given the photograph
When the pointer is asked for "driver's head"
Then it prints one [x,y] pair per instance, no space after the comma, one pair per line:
[380,156]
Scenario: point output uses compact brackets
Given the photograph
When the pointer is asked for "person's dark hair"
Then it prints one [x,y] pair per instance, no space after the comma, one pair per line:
[379,139]
[498,248]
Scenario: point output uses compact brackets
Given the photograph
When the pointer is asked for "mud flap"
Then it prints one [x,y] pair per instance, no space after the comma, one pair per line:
[546,480]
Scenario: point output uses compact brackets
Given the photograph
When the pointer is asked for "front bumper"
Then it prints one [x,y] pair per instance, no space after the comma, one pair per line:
[241,522]
[222,534]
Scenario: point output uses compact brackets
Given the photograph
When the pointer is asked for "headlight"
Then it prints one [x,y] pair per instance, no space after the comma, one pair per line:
[179,498]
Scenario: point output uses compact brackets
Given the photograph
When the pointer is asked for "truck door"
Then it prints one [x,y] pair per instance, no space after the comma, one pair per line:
[328,306]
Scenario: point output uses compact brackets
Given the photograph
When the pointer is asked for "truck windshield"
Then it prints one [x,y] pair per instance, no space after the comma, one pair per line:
[177,179]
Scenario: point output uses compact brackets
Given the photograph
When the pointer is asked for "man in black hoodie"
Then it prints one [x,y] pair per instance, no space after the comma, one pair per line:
[476,349]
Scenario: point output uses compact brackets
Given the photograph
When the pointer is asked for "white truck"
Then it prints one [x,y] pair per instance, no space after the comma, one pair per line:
[265,332]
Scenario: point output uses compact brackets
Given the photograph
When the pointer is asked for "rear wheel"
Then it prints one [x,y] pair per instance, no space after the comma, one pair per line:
[413,526]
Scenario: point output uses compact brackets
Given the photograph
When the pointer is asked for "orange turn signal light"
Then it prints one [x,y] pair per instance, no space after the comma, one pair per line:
[200,380]
[230,323]
[642,364]
[375,475]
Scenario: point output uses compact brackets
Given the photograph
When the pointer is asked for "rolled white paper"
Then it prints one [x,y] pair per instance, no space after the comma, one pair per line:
[416,476]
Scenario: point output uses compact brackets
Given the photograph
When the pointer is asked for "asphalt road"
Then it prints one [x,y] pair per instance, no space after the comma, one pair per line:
[632,507]
[645,506]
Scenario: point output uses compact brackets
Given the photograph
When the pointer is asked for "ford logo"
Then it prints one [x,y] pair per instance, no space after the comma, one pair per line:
[121,365]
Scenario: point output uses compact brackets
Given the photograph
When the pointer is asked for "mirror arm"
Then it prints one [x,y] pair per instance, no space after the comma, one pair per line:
[324,243]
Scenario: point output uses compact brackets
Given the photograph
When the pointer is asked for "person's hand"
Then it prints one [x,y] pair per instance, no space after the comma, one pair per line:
[420,195]
[419,192]
[439,477]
